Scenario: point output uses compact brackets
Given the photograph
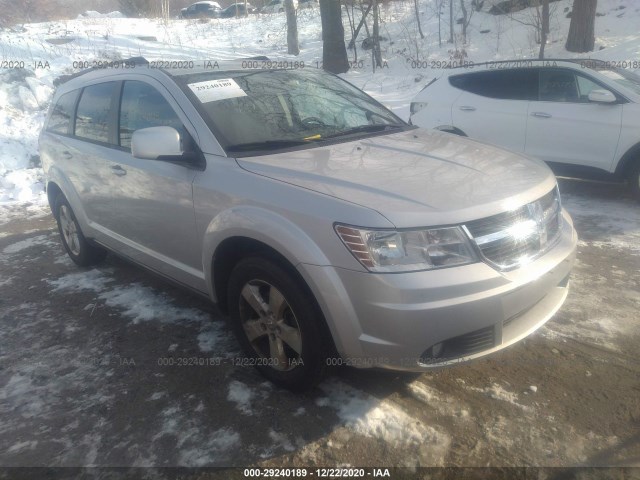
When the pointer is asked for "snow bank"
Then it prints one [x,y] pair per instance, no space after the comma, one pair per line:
[94,14]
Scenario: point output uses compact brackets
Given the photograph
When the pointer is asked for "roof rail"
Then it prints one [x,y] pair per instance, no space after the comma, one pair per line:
[129,61]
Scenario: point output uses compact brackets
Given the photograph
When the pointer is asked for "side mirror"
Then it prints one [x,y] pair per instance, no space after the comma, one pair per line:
[155,142]
[602,96]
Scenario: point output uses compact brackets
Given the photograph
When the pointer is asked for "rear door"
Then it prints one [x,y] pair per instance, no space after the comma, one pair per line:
[87,151]
[494,105]
[565,127]
[154,198]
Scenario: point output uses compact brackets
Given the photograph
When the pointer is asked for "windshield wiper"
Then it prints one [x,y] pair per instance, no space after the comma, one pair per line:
[265,145]
[366,129]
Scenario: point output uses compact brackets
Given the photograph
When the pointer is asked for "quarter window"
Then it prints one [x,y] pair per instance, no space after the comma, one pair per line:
[142,107]
[92,117]
[60,120]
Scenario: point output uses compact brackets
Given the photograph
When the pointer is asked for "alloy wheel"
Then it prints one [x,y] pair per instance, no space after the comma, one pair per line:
[270,325]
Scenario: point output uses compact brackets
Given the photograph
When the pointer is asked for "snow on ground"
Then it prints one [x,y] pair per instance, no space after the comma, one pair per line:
[242,396]
[612,223]
[196,448]
[140,303]
[382,419]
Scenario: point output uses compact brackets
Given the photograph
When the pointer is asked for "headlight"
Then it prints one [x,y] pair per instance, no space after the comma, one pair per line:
[407,250]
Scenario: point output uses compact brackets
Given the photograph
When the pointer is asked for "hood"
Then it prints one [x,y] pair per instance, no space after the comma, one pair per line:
[414,178]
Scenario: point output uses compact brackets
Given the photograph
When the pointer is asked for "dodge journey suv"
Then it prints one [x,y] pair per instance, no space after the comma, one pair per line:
[329,230]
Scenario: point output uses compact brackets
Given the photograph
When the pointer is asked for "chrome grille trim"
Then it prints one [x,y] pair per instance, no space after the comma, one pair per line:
[512,239]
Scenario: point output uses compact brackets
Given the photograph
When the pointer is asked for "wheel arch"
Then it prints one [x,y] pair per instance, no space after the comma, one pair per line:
[234,249]
[628,161]
[245,230]
[58,184]
[53,192]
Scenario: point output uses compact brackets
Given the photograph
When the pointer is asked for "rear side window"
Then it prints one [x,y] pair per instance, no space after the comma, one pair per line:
[142,107]
[93,114]
[518,84]
[62,114]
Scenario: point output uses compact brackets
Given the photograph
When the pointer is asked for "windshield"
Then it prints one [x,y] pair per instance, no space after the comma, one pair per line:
[624,78]
[259,111]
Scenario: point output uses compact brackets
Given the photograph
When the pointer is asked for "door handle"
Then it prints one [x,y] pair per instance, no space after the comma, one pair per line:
[118,170]
[541,115]
[67,155]
[466,108]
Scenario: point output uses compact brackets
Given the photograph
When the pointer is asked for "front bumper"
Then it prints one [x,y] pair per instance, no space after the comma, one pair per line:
[421,320]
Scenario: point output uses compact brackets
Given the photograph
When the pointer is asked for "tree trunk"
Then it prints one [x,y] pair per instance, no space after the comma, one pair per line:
[439,6]
[465,22]
[415,4]
[544,28]
[352,43]
[450,21]
[582,29]
[293,48]
[334,52]
[377,55]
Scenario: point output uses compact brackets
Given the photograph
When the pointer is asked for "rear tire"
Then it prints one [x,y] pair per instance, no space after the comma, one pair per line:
[278,324]
[78,248]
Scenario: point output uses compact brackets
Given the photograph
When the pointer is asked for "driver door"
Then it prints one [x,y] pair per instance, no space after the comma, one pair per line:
[565,127]
[154,198]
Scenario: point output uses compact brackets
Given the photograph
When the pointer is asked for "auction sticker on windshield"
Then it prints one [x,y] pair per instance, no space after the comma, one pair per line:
[215,90]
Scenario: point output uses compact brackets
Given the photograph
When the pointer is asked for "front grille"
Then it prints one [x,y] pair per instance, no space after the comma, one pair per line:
[512,239]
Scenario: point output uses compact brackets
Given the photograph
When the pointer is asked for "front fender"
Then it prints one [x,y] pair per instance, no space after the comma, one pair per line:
[264,226]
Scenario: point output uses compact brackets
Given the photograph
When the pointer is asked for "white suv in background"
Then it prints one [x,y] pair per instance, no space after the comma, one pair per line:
[580,116]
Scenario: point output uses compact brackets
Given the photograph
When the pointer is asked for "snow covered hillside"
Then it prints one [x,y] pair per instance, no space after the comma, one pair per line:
[34,56]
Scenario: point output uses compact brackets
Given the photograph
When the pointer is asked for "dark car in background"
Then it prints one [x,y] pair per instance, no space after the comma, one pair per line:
[237,10]
[202,10]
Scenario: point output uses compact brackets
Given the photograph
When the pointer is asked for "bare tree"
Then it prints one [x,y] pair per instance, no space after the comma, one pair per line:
[27,11]
[293,46]
[377,54]
[415,5]
[165,11]
[439,10]
[582,28]
[451,21]
[136,8]
[466,19]
[539,20]
[334,52]
[352,43]
[544,27]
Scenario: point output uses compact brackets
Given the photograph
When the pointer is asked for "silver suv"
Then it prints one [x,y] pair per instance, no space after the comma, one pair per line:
[328,229]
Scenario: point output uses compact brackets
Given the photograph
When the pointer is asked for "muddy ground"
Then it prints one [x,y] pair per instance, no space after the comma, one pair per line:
[84,379]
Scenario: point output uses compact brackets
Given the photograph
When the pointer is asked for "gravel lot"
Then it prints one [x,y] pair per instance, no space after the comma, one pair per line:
[84,379]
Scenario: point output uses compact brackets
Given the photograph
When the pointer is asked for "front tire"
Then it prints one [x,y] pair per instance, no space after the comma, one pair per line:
[278,324]
[78,248]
